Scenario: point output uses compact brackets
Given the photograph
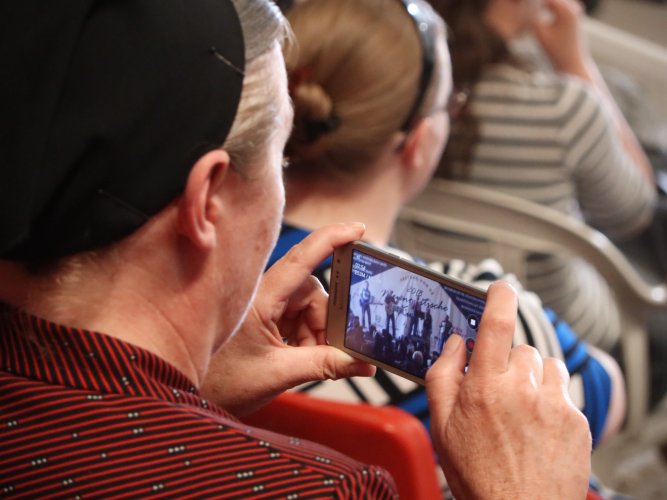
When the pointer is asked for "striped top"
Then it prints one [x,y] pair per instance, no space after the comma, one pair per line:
[84,415]
[590,384]
[550,139]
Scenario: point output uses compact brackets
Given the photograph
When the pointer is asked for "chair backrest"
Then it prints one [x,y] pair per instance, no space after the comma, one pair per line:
[382,435]
[645,62]
[459,220]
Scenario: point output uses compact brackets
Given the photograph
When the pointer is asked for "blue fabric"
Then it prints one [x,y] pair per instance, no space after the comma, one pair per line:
[417,405]
[290,236]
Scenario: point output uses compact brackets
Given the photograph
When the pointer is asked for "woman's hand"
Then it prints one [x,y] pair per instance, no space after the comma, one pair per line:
[562,38]
[564,42]
[507,428]
[282,341]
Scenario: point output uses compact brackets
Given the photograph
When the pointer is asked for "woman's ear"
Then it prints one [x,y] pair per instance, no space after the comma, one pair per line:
[412,150]
[201,204]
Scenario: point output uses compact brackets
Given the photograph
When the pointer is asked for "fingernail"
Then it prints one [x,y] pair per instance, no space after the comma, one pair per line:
[511,286]
[453,344]
[506,284]
[500,283]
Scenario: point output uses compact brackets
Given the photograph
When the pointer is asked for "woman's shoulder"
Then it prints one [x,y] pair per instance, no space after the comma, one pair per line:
[555,96]
[523,79]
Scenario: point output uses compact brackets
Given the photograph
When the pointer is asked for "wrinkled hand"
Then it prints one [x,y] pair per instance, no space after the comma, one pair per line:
[256,364]
[562,37]
[507,428]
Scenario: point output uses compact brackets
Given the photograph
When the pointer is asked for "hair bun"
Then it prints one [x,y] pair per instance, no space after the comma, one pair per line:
[312,102]
[313,108]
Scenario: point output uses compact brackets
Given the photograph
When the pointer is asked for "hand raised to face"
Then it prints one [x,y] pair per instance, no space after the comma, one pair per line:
[562,37]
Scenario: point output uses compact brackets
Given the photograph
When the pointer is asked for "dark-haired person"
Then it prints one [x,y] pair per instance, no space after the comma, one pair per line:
[427,329]
[141,194]
[390,306]
[444,332]
[365,299]
[555,139]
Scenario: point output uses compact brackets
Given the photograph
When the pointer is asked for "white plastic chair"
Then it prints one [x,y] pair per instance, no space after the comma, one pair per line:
[457,220]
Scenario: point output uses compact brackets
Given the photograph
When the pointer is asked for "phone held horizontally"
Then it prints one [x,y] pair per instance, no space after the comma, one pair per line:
[396,314]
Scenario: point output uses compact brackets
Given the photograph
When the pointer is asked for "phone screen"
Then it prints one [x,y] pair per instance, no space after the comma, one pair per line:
[402,318]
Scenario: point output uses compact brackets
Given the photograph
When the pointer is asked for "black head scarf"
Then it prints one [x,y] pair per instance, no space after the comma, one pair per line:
[104,108]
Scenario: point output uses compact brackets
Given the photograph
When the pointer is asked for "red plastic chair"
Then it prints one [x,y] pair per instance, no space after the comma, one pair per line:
[382,435]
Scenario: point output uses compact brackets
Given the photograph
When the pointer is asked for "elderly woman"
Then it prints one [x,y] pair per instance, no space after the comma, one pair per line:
[141,195]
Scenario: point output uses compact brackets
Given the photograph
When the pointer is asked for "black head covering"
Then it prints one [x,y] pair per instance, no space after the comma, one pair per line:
[105,107]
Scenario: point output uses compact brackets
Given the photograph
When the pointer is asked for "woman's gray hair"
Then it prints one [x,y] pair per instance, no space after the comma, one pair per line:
[257,116]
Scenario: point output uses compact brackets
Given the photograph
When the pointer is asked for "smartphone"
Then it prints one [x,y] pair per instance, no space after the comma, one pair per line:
[396,314]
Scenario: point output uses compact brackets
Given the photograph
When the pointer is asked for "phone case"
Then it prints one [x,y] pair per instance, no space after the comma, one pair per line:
[397,314]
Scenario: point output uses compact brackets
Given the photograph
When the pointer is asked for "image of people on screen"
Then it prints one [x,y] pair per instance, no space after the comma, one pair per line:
[397,313]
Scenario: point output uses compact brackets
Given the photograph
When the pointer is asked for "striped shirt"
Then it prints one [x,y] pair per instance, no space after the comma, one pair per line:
[84,415]
[590,384]
[550,139]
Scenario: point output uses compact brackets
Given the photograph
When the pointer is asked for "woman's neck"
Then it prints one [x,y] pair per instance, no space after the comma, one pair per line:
[376,204]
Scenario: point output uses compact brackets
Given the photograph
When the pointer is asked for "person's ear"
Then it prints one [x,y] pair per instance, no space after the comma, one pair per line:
[413,150]
[200,205]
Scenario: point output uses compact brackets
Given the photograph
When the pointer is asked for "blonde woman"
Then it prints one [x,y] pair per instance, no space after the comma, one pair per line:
[371,98]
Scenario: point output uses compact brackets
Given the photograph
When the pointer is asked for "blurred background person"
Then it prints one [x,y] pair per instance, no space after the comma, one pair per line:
[557,139]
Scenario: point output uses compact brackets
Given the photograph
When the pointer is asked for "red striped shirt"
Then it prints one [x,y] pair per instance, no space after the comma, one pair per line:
[84,415]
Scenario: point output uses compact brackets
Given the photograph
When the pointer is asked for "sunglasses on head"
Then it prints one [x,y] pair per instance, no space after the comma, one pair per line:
[427,36]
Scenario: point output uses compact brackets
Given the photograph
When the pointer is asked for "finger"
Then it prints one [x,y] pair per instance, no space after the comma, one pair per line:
[321,362]
[556,380]
[305,314]
[496,330]
[576,7]
[288,273]
[562,8]
[306,335]
[444,378]
[555,374]
[308,292]
[525,359]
